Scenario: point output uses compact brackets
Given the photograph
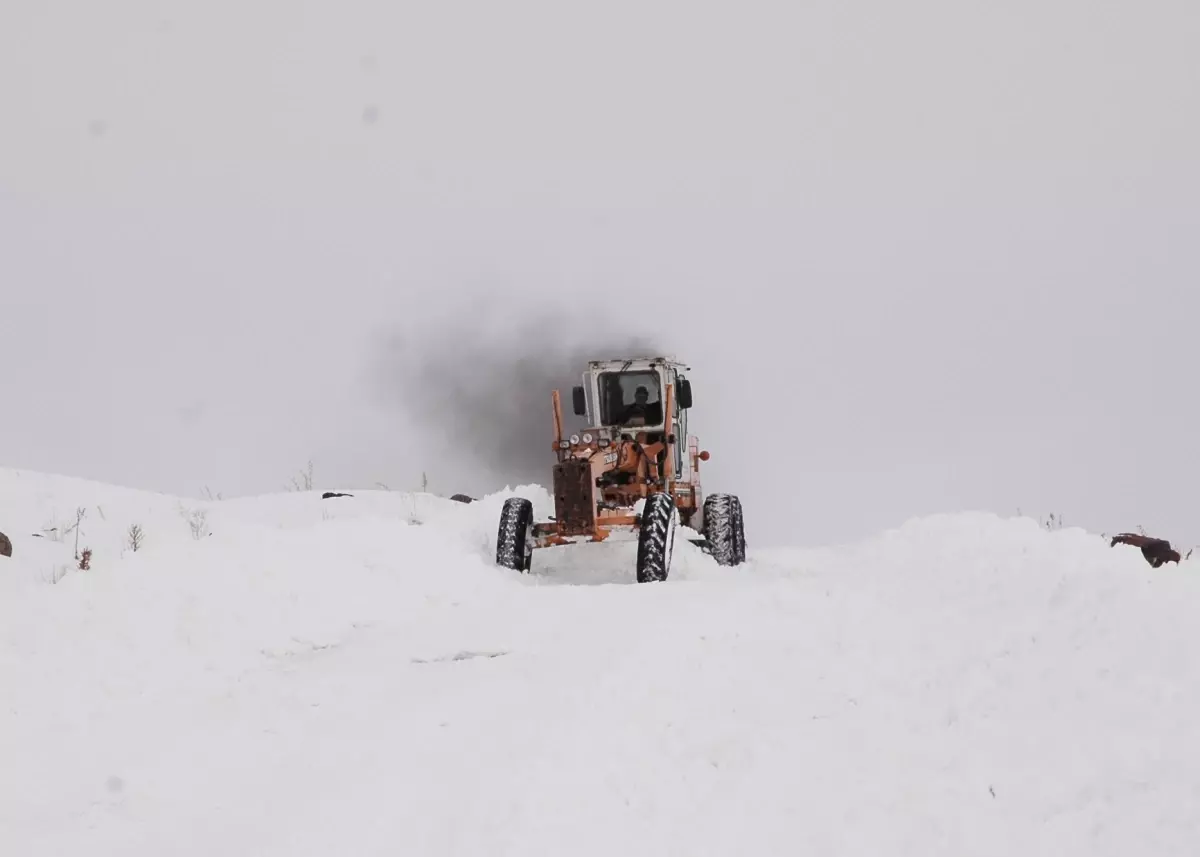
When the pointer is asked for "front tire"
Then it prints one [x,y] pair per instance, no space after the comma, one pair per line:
[739,532]
[514,537]
[656,538]
[723,529]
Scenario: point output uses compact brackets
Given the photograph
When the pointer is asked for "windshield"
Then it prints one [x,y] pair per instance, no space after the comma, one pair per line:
[630,398]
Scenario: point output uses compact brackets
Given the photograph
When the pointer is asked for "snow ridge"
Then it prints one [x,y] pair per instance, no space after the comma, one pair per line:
[308,676]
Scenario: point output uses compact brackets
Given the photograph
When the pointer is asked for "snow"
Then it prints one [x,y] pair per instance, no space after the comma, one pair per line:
[355,676]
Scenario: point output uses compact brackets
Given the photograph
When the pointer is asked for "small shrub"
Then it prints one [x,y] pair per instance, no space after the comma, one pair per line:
[304,481]
[135,537]
[197,520]
[1053,522]
[85,559]
[79,515]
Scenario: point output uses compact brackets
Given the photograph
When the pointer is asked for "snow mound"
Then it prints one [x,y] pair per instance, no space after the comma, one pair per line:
[305,676]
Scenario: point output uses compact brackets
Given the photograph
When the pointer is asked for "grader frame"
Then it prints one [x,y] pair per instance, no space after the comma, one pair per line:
[591,499]
[621,471]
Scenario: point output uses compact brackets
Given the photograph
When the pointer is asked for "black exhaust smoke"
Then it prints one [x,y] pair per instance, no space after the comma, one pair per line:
[480,381]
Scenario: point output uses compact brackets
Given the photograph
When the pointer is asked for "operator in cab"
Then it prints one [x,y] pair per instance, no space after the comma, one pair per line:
[642,411]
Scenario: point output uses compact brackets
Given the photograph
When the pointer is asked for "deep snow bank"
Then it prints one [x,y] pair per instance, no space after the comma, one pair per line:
[317,677]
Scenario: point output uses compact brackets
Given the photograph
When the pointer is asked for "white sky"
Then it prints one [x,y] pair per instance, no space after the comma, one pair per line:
[922,257]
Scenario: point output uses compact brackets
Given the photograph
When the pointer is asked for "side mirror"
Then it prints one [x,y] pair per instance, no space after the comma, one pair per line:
[685,394]
[579,400]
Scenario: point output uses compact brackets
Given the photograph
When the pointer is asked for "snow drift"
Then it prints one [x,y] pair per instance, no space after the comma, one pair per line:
[304,676]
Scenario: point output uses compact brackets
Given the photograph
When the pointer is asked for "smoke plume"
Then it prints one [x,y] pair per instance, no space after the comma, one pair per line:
[479,381]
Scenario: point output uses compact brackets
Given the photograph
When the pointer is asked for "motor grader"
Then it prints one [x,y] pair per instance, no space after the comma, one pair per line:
[633,470]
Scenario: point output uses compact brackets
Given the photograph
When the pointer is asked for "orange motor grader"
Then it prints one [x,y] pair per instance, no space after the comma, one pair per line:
[633,469]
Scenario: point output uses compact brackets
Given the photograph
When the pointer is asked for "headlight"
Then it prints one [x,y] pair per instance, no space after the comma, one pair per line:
[587,437]
[564,444]
[603,441]
[574,439]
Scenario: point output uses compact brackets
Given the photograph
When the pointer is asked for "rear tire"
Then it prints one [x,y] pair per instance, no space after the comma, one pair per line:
[723,529]
[656,538]
[5,545]
[514,537]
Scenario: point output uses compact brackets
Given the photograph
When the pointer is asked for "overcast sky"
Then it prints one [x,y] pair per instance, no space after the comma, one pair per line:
[922,257]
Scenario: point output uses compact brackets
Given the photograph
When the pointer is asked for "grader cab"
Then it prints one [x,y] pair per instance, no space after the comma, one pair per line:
[633,469]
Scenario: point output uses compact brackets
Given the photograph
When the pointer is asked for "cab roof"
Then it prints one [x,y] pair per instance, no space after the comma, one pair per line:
[641,362]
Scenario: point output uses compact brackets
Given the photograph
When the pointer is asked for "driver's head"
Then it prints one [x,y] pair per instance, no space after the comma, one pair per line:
[641,395]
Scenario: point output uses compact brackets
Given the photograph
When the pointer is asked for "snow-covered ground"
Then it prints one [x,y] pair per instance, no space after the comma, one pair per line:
[353,676]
